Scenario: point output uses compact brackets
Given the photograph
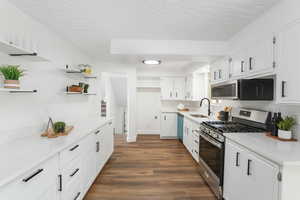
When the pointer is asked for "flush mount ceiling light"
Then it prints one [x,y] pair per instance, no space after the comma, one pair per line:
[151,62]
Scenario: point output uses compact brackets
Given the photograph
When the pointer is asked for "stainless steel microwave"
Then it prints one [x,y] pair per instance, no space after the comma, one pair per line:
[245,90]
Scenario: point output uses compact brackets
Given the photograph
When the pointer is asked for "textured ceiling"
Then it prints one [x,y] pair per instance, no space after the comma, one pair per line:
[91,24]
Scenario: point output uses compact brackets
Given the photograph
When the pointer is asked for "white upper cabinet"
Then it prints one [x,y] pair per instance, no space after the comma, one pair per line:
[260,56]
[196,86]
[173,88]
[220,71]
[288,70]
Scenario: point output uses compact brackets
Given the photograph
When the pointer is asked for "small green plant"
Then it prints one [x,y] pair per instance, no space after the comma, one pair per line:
[287,124]
[11,72]
[59,127]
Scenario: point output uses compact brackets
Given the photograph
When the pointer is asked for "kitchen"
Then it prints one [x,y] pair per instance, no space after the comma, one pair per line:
[204,108]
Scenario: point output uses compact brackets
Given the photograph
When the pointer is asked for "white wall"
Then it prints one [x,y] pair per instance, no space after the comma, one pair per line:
[27,112]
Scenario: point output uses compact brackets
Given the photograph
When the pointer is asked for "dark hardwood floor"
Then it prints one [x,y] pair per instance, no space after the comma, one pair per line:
[150,169]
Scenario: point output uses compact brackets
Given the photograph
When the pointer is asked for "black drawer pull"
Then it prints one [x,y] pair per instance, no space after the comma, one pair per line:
[237,159]
[75,172]
[60,183]
[77,195]
[248,169]
[97,132]
[196,152]
[196,142]
[282,89]
[97,146]
[75,147]
[33,175]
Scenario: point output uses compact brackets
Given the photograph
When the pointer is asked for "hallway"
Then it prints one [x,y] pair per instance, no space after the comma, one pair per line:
[150,169]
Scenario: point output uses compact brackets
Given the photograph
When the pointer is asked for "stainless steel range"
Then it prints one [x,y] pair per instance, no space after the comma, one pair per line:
[212,142]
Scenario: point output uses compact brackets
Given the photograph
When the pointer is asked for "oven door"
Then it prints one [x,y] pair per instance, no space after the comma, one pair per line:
[211,162]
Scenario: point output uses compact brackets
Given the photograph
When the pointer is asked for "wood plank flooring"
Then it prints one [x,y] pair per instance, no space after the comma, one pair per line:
[150,169]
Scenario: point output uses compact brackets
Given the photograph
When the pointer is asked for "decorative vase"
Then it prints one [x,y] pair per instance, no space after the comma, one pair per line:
[287,135]
[12,84]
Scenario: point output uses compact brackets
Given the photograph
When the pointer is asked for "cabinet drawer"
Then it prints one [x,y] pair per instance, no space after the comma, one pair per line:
[73,191]
[32,184]
[71,153]
[72,171]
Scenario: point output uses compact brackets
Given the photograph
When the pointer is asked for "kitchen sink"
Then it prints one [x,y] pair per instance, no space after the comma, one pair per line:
[198,116]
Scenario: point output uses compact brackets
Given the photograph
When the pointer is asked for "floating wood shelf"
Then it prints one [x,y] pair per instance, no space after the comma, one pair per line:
[15,51]
[80,93]
[17,90]
[74,71]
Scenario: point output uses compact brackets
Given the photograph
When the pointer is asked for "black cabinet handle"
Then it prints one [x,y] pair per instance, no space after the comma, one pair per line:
[33,175]
[165,117]
[75,172]
[248,168]
[283,89]
[170,94]
[176,94]
[196,152]
[242,66]
[97,132]
[77,195]
[237,159]
[250,63]
[97,146]
[60,183]
[75,147]
[220,74]
[196,142]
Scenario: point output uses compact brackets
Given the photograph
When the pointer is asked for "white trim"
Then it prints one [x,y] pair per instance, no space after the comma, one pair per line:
[148,132]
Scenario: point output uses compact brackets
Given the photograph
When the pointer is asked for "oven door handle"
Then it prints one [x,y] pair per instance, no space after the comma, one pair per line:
[212,141]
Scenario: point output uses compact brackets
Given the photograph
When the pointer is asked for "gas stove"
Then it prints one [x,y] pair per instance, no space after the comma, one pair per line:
[212,142]
[243,121]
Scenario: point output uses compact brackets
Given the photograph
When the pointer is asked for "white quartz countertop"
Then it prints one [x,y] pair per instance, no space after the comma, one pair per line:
[23,154]
[188,114]
[282,153]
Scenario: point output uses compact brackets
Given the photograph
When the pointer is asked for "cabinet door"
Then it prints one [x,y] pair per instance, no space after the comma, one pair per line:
[169,125]
[188,88]
[234,177]
[288,70]
[262,180]
[167,86]
[185,133]
[179,88]
[260,57]
[238,66]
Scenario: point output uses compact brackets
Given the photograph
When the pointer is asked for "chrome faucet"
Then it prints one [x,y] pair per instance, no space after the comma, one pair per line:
[208,109]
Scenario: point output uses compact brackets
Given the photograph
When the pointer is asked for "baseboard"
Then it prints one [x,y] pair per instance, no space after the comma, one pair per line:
[147,132]
[168,137]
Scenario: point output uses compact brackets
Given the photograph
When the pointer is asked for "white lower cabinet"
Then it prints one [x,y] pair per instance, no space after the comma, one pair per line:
[168,126]
[248,176]
[69,174]
[191,138]
[36,183]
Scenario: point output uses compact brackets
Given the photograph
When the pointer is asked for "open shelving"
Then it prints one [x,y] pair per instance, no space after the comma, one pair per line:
[75,71]
[80,93]
[8,90]
[16,51]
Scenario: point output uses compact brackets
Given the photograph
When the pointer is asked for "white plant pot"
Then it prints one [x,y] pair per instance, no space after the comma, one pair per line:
[287,135]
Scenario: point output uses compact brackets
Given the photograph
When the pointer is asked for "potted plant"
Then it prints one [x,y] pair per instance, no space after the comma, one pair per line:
[12,74]
[59,127]
[285,128]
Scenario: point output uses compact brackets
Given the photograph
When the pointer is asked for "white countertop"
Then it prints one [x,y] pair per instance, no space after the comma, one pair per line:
[23,154]
[188,114]
[282,153]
